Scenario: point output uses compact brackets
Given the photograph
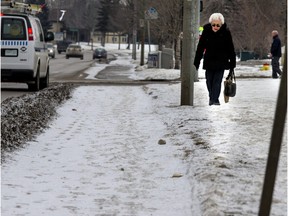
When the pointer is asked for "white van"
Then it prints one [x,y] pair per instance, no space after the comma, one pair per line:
[24,55]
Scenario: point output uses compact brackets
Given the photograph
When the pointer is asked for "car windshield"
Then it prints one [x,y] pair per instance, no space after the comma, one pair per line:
[50,45]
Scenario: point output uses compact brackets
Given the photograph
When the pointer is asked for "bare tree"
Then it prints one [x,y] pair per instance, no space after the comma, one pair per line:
[90,17]
[250,21]
[168,26]
[128,13]
[119,20]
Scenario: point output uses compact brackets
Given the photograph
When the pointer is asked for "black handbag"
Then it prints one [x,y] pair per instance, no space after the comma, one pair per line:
[230,85]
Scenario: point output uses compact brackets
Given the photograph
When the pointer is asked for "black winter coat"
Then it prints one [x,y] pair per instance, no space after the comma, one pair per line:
[217,49]
[276,47]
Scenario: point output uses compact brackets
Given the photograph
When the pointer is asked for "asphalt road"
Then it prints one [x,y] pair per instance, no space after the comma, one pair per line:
[72,70]
[61,69]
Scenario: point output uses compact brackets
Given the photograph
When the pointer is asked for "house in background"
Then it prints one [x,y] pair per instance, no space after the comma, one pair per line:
[111,37]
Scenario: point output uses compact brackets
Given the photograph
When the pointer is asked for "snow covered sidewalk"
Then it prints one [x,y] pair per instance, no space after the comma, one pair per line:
[102,155]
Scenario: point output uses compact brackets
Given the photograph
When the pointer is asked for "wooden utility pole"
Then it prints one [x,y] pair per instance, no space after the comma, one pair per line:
[190,32]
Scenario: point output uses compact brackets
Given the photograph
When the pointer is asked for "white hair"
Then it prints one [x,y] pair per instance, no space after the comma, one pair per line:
[275,32]
[216,16]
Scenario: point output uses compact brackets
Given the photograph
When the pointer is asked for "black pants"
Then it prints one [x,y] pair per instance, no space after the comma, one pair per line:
[275,67]
[214,80]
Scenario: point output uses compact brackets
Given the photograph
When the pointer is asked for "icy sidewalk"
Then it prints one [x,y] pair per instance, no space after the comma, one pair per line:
[101,155]
[226,146]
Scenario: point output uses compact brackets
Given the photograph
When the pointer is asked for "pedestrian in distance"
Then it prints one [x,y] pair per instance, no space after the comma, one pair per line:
[217,48]
[275,54]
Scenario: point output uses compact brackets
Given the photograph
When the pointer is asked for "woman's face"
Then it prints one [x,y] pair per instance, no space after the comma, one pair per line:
[216,25]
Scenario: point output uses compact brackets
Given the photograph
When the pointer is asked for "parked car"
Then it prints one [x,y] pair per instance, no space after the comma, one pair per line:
[24,57]
[74,50]
[100,53]
[63,45]
[51,50]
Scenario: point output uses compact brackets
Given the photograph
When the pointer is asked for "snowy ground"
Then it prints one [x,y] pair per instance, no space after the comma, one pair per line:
[132,150]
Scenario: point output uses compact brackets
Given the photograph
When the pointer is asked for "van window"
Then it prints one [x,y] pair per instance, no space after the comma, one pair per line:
[13,29]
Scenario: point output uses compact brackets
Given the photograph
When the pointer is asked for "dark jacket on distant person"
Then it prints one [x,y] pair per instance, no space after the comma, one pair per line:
[217,49]
[276,47]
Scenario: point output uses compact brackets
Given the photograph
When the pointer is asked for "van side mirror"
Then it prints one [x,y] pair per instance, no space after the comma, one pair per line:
[49,36]
[201,6]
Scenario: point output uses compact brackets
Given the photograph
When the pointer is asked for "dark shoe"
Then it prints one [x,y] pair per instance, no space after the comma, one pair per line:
[210,102]
[275,77]
[216,103]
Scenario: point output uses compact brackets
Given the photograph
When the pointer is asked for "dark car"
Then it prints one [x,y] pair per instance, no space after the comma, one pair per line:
[100,53]
[62,45]
[74,50]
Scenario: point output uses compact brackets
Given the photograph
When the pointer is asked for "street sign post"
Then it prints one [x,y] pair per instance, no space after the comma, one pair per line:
[150,14]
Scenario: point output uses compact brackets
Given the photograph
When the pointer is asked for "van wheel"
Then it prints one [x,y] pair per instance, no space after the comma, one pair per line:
[36,85]
[44,82]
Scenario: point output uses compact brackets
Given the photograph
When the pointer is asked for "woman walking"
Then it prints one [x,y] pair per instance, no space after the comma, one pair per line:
[217,48]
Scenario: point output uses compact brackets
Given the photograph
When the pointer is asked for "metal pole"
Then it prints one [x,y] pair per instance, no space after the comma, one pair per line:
[148,29]
[188,70]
